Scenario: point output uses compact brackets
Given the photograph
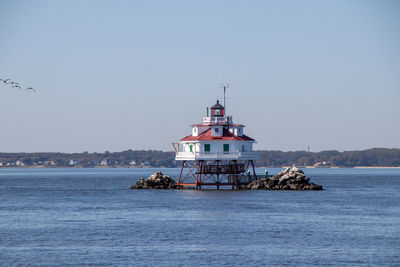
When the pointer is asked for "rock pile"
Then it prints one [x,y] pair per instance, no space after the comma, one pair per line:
[156,181]
[289,179]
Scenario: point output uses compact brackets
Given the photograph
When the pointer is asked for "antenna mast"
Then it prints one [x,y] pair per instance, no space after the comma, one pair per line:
[224,85]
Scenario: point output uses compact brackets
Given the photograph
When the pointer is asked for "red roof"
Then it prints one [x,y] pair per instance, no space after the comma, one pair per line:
[226,136]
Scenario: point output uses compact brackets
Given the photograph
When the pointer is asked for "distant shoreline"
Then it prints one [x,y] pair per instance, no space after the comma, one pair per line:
[366,167]
[370,158]
[153,167]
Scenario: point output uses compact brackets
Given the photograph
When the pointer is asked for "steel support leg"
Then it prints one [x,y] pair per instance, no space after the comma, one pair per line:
[254,170]
[180,174]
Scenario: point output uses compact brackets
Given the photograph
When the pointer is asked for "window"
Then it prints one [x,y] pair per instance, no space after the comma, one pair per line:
[191,148]
[206,147]
[226,148]
[216,130]
[217,112]
[242,148]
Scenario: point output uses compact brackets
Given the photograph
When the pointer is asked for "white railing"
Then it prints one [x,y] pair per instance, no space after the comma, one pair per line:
[216,155]
[218,120]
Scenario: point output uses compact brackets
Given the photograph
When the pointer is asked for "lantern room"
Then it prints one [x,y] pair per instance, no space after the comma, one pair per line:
[217,110]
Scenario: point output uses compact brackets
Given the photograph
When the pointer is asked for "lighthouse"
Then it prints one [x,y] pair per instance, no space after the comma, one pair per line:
[216,153]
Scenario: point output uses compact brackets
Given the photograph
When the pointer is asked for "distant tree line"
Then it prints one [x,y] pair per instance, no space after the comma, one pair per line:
[371,157]
[145,158]
[137,158]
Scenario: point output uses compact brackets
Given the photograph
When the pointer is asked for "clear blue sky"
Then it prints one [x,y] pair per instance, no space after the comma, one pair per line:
[117,75]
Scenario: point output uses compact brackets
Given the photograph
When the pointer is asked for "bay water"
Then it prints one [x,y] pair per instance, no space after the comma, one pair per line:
[80,217]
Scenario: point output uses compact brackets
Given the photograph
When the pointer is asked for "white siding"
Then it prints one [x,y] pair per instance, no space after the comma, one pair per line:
[195,131]
[186,147]
[216,130]
[238,131]
[234,146]
[217,151]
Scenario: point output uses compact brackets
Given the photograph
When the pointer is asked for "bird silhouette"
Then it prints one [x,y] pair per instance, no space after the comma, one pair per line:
[5,81]
[14,84]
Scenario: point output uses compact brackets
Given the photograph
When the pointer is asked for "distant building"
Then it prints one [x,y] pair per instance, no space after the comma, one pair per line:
[19,163]
[322,164]
[71,163]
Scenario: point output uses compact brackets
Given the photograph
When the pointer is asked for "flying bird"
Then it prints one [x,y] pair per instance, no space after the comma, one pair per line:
[14,84]
[5,81]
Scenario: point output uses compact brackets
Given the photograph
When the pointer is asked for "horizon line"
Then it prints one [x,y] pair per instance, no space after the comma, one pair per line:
[167,151]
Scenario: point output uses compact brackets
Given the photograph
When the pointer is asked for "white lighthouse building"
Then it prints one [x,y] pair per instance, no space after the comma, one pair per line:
[217,152]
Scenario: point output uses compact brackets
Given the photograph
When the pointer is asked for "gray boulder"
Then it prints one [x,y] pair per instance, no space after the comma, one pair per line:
[289,179]
[155,181]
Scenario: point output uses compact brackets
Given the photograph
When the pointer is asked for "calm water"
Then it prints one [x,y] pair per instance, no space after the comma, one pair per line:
[59,217]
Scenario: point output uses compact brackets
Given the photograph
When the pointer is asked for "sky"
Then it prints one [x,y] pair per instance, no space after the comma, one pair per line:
[119,75]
